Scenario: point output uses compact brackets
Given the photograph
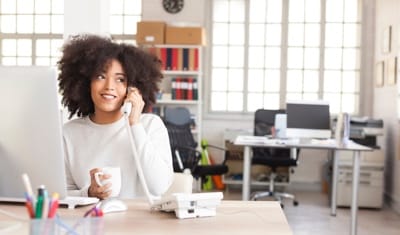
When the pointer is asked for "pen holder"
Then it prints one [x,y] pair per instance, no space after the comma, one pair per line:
[58,226]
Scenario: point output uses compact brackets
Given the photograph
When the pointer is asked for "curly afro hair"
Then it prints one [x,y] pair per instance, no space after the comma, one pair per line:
[86,55]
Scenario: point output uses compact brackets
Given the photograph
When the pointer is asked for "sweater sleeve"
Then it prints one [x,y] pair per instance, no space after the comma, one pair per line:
[152,143]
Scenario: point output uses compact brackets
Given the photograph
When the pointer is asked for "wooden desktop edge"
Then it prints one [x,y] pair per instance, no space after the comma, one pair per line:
[233,217]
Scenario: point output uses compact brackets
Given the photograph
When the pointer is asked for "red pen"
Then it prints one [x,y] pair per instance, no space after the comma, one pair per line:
[100,212]
[53,205]
[29,207]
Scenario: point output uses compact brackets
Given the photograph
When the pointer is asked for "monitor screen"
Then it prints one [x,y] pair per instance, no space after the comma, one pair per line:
[30,131]
[308,119]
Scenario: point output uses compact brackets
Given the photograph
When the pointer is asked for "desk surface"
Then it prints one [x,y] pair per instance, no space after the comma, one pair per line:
[233,217]
[329,144]
[263,141]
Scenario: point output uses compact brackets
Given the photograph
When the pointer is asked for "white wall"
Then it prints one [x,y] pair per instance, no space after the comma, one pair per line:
[386,102]
[311,161]
[192,12]
[91,16]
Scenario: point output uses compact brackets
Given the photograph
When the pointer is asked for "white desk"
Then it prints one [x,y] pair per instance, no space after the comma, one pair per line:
[233,218]
[255,141]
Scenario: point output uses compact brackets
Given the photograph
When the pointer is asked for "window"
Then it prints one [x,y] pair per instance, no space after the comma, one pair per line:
[124,14]
[264,52]
[31,31]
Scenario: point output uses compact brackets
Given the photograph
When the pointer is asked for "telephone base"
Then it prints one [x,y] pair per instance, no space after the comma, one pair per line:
[187,205]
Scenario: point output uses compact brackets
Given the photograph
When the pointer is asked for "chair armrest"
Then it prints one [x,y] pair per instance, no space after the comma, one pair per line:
[187,156]
[226,155]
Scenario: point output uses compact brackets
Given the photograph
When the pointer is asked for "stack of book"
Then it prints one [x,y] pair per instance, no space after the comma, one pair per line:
[178,59]
[184,88]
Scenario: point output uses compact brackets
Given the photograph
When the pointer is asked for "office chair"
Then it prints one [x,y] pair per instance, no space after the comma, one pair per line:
[184,146]
[271,157]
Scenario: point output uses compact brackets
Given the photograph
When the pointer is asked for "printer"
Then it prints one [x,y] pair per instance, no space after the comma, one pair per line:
[364,130]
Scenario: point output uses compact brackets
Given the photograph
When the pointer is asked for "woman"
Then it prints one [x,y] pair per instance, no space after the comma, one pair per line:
[96,77]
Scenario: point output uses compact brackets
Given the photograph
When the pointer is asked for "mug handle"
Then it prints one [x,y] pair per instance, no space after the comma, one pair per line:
[96,177]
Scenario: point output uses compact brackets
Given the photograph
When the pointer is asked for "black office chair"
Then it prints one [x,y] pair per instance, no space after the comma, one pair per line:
[183,146]
[271,157]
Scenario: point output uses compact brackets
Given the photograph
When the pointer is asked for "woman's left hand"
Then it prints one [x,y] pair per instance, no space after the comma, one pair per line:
[135,98]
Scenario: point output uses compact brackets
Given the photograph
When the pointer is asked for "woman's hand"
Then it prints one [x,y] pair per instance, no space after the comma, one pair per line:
[135,98]
[95,190]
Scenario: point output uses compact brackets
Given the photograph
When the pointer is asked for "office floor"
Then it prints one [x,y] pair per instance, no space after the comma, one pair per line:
[312,216]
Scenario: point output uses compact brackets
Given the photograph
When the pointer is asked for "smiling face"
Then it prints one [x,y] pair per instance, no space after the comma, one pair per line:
[108,91]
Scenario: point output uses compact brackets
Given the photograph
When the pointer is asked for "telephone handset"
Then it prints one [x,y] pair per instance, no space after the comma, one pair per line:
[127,108]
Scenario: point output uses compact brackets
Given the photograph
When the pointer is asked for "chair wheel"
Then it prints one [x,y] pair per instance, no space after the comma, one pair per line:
[295,203]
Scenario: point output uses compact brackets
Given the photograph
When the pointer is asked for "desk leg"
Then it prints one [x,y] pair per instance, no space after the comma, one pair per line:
[334,182]
[354,196]
[246,174]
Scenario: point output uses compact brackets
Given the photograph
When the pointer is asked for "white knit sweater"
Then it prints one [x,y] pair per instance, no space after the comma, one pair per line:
[88,145]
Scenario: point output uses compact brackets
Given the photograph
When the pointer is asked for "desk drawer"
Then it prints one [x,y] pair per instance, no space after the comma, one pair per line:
[370,194]
[364,175]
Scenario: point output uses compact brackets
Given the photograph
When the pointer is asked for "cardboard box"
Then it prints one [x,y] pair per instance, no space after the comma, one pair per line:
[235,151]
[150,32]
[185,35]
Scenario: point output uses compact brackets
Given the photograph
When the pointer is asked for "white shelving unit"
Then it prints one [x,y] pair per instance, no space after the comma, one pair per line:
[192,70]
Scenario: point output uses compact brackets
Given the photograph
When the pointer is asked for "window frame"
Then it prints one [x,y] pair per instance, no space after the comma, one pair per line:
[362,106]
[34,37]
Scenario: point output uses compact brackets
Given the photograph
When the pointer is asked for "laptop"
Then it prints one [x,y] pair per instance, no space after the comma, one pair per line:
[31,134]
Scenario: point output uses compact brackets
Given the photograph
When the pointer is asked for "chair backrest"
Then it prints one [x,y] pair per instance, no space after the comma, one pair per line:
[183,145]
[263,122]
[177,116]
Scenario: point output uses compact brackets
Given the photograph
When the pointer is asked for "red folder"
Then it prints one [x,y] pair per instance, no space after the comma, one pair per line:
[190,89]
[174,65]
[196,59]
[164,58]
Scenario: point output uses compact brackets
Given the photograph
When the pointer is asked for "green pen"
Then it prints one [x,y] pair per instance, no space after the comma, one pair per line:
[39,203]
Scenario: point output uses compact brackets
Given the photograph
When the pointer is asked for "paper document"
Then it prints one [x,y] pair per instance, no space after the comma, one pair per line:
[248,139]
[264,140]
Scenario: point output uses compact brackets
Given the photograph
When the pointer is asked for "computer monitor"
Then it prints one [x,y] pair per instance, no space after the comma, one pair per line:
[30,131]
[308,119]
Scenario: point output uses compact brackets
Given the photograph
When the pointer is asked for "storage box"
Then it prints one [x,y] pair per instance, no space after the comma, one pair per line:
[150,32]
[185,35]
[235,151]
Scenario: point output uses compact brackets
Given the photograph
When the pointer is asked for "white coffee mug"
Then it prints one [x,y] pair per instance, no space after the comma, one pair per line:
[115,179]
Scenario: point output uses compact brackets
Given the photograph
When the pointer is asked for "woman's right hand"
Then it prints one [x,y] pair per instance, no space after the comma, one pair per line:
[95,190]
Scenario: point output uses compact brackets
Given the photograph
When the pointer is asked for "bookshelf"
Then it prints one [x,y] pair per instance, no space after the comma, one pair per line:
[181,85]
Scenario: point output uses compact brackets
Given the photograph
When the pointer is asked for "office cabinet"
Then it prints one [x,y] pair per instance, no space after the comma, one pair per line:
[370,190]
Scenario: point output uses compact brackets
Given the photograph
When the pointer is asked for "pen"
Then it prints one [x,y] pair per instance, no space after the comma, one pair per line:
[46,201]
[53,205]
[29,206]
[39,203]
[28,188]
[89,211]
[100,212]
[94,211]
